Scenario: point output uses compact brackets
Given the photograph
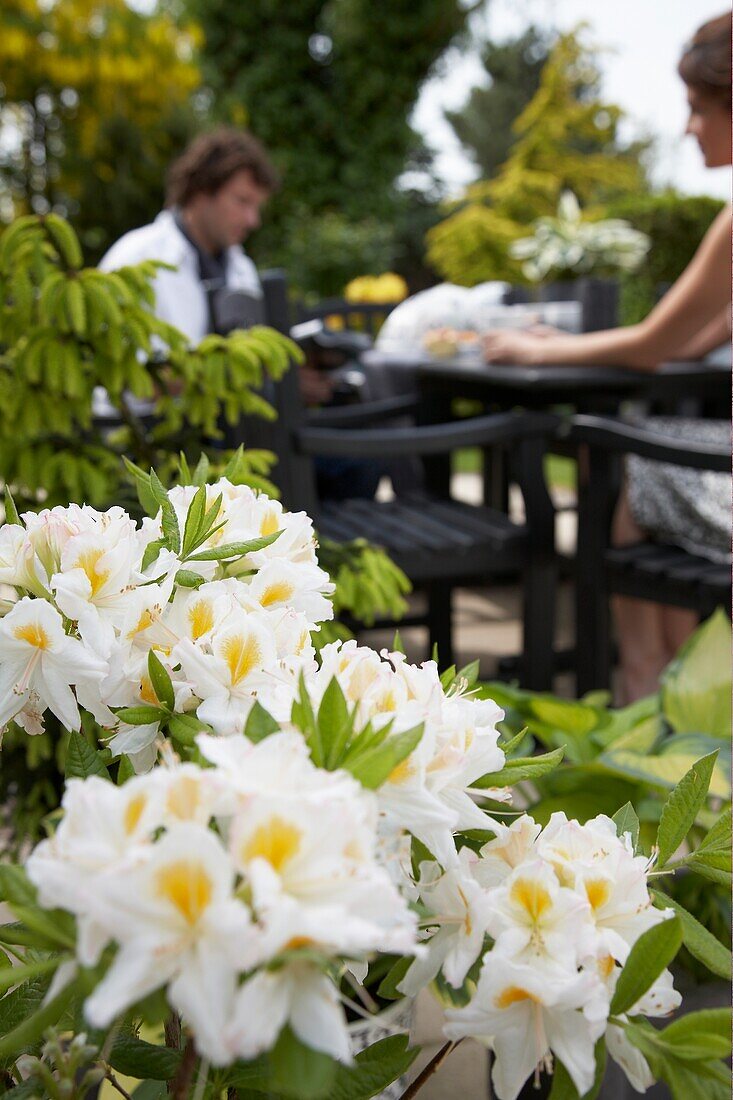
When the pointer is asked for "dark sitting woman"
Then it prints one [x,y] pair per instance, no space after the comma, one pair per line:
[686,507]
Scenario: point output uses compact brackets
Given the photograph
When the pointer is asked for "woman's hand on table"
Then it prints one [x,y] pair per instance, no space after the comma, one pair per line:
[512,346]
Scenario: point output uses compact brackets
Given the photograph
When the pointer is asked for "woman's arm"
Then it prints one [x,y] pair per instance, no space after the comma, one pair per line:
[697,299]
[708,338]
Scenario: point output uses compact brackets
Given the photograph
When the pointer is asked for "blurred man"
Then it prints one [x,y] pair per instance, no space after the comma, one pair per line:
[214,197]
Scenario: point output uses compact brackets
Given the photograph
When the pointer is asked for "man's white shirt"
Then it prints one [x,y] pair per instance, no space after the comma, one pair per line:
[180,298]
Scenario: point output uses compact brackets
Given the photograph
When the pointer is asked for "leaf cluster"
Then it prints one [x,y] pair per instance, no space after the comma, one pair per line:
[66,330]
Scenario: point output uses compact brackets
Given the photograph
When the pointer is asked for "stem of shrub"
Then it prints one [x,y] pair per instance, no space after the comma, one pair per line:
[434,1063]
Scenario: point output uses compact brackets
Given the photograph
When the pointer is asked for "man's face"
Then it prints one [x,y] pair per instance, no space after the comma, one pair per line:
[229,215]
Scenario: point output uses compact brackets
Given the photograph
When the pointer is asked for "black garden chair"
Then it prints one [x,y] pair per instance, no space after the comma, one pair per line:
[647,570]
[440,543]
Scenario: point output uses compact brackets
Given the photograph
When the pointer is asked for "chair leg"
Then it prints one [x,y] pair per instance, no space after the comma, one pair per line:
[540,589]
[440,621]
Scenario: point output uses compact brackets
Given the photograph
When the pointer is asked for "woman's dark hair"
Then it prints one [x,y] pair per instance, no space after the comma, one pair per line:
[212,159]
[706,60]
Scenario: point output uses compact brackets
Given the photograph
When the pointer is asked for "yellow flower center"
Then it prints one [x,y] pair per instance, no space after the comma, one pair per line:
[88,561]
[133,812]
[147,692]
[242,654]
[402,772]
[598,893]
[276,841]
[514,994]
[607,965]
[183,798]
[187,886]
[269,523]
[276,593]
[532,897]
[34,635]
[200,618]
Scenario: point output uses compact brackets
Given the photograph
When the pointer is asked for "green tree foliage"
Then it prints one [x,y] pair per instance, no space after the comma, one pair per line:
[676,224]
[65,330]
[485,123]
[95,100]
[567,139]
[328,86]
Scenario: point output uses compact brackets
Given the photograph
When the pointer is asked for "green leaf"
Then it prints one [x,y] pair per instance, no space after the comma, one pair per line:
[303,717]
[186,727]
[14,975]
[201,473]
[696,687]
[260,723]
[718,837]
[375,765]
[142,487]
[652,952]
[52,925]
[194,519]
[681,808]
[448,677]
[715,866]
[469,673]
[168,517]
[299,1071]
[663,771]
[235,549]
[125,770]
[709,1030]
[698,940]
[627,822]
[161,681]
[374,1069]
[522,767]
[152,550]
[335,723]
[15,886]
[388,990]
[135,1058]
[398,646]
[507,747]
[141,716]
[188,579]
[11,512]
[30,1029]
[82,760]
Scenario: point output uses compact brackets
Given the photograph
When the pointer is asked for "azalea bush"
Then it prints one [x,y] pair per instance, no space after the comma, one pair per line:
[638,754]
[569,245]
[248,835]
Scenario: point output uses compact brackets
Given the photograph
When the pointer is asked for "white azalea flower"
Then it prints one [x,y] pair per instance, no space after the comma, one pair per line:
[279,767]
[97,571]
[461,909]
[104,831]
[524,1016]
[298,994]
[178,925]
[536,921]
[228,679]
[620,905]
[39,662]
[20,565]
[570,845]
[282,584]
[511,846]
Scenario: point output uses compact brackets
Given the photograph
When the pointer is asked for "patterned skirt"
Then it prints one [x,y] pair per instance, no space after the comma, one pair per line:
[688,508]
